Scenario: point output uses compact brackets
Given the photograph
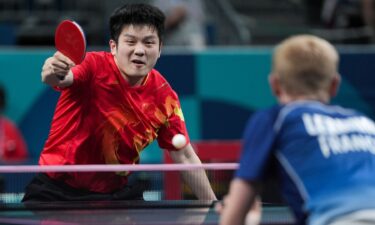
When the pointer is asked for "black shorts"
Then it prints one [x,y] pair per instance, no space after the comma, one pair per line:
[45,189]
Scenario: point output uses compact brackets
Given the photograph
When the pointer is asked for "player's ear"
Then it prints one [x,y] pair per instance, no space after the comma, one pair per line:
[335,84]
[274,82]
[160,47]
[112,46]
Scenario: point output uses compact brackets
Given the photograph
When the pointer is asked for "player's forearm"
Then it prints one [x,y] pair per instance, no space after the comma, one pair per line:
[197,179]
[240,199]
[199,184]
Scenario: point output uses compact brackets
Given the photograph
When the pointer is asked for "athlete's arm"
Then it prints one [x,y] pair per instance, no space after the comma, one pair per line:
[197,179]
[239,204]
[56,71]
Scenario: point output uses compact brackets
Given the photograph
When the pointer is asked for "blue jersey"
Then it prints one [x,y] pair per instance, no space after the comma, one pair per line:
[325,158]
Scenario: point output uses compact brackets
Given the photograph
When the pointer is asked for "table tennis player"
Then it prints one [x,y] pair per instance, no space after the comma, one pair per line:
[111,107]
[322,154]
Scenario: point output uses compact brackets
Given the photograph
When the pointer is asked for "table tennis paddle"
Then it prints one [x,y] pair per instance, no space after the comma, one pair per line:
[70,41]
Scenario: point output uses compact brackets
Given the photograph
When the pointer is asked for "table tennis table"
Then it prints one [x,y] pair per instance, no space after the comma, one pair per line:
[167,212]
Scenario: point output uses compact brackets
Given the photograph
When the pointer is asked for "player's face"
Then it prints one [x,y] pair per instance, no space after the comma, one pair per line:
[137,51]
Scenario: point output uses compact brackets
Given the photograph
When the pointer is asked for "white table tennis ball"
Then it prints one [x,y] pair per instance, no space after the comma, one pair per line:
[179,141]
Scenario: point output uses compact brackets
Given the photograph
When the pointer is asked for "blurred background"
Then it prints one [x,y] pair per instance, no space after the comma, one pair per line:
[217,56]
[226,22]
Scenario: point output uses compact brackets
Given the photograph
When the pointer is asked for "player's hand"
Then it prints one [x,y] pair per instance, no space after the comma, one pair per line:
[219,206]
[253,216]
[56,68]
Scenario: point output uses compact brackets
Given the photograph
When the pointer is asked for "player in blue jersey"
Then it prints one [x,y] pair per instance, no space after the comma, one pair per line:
[323,155]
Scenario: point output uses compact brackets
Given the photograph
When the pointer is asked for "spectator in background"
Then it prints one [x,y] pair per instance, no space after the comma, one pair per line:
[12,144]
[313,9]
[185,22]
[355,18]
[368,12]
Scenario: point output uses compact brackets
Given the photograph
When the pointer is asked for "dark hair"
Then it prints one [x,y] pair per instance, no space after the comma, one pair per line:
[2,99]
[136,14]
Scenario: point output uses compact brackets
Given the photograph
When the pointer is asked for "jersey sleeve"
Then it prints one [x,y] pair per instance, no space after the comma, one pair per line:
[258,140]
[83,71]
[175,124]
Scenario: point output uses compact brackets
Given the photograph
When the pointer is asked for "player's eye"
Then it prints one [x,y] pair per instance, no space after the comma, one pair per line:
[149,43]
[130,42]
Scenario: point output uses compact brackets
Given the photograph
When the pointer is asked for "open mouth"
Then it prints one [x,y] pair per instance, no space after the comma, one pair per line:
[138,62]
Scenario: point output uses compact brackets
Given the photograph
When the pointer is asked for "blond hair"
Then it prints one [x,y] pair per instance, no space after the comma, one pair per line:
[305,64]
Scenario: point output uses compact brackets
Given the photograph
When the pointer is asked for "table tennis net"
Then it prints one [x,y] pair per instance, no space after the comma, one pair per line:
[164,189]
[163,183]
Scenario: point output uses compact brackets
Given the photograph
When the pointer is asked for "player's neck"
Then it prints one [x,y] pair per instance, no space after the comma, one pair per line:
[134,81]
[286,98]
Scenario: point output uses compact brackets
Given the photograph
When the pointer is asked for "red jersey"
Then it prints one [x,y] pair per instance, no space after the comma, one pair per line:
[101,119]
[12,144]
